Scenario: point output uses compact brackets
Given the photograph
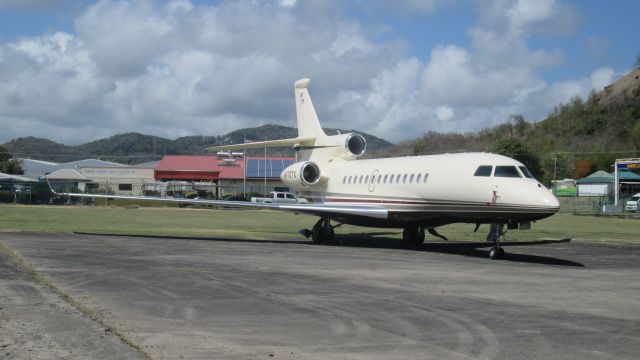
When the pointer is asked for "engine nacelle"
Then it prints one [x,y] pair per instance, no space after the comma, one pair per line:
[306,173]
[355,145]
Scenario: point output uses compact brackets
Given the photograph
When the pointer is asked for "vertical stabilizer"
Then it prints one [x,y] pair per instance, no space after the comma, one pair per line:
[308,123]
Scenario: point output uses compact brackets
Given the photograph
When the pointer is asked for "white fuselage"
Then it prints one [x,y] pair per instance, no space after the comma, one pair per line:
[435,189]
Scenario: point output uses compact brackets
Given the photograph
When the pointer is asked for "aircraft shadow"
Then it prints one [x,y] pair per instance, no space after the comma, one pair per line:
[471,249]
[378,240]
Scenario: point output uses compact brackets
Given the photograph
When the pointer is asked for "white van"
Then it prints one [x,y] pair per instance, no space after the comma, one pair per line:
[633,204]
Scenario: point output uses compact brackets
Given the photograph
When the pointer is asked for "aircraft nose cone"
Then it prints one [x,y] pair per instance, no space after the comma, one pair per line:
[551,202]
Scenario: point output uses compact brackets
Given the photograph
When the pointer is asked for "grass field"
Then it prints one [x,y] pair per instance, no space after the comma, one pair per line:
[264,224]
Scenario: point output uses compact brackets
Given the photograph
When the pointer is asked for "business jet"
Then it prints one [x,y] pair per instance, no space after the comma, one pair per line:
[415,193]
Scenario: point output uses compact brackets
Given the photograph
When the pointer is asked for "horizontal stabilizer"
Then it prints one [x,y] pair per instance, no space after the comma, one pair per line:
[264,144]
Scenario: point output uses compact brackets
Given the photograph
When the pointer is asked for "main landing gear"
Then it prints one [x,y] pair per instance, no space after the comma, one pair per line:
[322,231]
[413,235]
[495,232]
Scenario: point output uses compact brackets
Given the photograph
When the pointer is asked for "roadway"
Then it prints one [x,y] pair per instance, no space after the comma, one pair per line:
[365,299]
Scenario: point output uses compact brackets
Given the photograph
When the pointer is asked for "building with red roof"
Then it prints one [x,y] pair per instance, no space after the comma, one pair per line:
[220,175]
[201,168]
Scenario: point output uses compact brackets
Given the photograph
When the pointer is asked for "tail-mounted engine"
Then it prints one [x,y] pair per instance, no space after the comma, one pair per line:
[355,145]
[306,173]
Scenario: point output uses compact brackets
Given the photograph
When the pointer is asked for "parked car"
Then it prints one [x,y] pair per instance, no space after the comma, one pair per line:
[633,203]
[280,198]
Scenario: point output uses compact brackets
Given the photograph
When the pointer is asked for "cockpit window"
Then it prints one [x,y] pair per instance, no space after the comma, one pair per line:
[507,171]
[483,170]
[526,172]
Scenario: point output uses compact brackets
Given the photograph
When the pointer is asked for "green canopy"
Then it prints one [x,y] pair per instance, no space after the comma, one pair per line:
[629,176]
[603,177]
[598,177]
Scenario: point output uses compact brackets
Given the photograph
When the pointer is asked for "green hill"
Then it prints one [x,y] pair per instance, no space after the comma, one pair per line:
[599,130]
[133,148]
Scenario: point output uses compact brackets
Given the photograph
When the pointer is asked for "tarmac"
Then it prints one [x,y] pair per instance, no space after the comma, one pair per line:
[184,298]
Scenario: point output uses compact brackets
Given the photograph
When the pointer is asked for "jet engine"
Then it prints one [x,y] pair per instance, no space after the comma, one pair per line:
[355,144]
[306,173]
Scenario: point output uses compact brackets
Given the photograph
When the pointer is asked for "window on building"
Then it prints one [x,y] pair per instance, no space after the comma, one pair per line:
[125,187]
[483,170]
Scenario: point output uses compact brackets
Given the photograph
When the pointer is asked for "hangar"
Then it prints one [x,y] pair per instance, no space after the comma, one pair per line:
[219,175]
[212,176]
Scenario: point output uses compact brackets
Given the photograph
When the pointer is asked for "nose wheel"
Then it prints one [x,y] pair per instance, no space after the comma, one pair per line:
[495,233]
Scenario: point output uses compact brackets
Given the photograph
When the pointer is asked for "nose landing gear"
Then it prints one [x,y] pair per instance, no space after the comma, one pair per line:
[495,232]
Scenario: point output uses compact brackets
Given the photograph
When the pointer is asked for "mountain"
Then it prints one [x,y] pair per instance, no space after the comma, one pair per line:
[598,130]
[133,148]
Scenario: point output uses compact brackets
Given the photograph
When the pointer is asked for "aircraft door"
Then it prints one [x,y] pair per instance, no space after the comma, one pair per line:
[372,180]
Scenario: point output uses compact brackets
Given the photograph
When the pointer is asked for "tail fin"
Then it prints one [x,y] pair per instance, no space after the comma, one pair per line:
[308,123]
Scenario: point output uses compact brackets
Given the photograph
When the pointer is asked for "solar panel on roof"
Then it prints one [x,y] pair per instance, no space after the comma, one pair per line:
[257,168]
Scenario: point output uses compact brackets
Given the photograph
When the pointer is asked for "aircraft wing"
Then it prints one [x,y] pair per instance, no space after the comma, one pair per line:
[263,144]
[313,209]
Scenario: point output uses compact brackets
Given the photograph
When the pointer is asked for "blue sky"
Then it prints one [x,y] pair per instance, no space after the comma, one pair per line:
[74,71]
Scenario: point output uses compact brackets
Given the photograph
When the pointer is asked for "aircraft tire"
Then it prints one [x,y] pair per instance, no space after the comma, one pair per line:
[412,236]
[496,253]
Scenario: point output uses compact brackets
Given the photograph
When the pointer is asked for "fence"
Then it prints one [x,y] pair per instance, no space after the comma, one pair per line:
[39,193]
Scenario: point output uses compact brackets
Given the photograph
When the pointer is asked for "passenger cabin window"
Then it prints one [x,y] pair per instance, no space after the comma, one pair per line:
[507,171]
[418,178]
[385,179]
[426,177]
[344,180]
[483,170]
[526,172]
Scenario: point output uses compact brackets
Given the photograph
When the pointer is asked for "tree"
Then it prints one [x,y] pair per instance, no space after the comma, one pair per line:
[635,135]
[8,164]
[518,150]
[4,154]
[584,168]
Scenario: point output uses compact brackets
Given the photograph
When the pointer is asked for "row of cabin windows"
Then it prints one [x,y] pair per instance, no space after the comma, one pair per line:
[503,171]
[384,179]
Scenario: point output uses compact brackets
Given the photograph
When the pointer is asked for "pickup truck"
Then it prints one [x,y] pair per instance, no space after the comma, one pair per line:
[279,198]
[633,204]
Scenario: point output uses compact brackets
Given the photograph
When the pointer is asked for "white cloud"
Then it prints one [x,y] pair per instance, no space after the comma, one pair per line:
[178,68]
[420,6]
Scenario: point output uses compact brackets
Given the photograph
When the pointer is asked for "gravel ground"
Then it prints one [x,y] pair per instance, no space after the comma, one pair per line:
[366,299]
